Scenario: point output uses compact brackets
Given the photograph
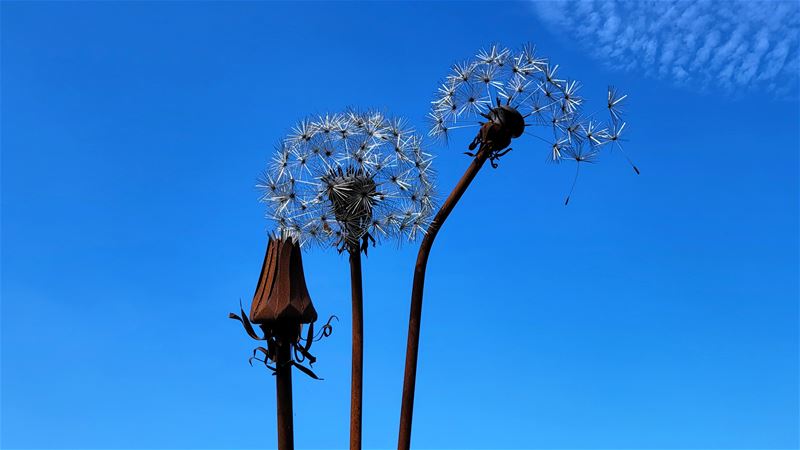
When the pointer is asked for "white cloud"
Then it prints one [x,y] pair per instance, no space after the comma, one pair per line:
[708,44]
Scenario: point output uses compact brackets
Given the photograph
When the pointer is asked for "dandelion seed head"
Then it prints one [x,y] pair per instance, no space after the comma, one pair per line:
[340,179]
[502,86]
[524,81]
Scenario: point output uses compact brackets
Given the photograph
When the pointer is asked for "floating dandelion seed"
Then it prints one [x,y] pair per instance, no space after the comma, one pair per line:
[614,103]
[349,179]
[580,155]
[501,91]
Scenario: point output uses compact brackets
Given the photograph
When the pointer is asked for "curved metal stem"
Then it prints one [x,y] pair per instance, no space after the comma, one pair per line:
[412,347]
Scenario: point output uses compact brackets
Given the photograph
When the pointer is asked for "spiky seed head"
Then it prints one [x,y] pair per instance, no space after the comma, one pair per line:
[536,100]
[338,179]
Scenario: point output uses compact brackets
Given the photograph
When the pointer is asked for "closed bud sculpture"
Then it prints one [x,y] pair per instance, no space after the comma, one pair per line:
[281,296]
[281,306]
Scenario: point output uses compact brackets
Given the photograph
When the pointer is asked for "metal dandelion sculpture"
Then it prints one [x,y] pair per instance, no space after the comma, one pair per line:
[510,94]
[281,307]
[347,181]
[506,95]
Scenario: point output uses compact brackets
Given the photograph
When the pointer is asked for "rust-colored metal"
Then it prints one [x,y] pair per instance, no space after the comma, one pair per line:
[357,368]
[412,347]
[283,391]
[281,305]
[281,295]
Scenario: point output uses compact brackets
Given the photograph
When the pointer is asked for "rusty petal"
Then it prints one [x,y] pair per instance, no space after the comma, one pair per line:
[281,298]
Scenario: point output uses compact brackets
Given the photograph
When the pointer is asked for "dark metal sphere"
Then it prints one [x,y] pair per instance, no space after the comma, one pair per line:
[510,119]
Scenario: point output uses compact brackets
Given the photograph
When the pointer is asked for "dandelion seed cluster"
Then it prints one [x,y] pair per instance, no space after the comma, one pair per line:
[529,84]
[348,179]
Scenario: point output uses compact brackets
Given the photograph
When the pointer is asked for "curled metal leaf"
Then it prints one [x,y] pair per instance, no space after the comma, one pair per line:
[248,327]
[306,371]
[299,346]
[304,354]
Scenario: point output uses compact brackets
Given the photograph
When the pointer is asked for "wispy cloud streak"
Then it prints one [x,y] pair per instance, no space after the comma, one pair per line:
[728,45]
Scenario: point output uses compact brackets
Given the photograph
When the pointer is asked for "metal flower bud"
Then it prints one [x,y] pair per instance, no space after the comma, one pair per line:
[281,295]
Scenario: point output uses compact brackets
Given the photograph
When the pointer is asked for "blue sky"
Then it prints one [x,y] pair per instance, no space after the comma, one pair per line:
[657,311]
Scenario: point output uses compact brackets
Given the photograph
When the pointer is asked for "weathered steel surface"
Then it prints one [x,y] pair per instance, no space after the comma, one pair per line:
[281,305]
[283,387]
[357,366]
[412,347]
[281,294]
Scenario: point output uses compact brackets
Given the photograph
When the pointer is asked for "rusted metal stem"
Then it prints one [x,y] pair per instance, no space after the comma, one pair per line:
[357,370]
[412,347]
[283,384]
